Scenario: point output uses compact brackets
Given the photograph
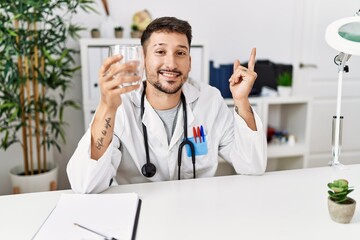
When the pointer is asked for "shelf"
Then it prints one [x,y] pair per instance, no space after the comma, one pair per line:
[281,151]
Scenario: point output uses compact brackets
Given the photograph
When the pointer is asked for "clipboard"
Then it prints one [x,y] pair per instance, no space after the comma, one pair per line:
[113,215]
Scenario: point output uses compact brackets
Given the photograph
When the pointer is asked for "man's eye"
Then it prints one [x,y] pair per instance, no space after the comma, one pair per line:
[160,52]
[181,53]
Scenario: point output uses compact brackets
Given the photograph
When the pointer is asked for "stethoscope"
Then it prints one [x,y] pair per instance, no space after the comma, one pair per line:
[149,169]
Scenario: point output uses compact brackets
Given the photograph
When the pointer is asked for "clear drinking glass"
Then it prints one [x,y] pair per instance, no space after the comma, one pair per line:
[130,53]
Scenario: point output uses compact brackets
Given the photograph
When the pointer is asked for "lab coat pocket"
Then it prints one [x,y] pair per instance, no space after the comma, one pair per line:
[201,148]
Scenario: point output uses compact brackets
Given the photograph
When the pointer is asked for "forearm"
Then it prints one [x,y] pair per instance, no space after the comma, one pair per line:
[244,110]
[102,130]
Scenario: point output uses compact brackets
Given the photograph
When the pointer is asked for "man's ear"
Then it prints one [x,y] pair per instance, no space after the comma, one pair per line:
[190,63]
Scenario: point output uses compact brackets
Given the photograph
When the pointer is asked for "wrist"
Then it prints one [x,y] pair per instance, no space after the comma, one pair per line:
[243,107]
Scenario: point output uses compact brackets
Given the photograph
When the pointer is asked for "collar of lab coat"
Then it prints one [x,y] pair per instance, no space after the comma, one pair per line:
[152,120]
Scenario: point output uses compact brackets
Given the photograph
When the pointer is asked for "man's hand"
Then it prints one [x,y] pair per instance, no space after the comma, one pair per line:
[241,83]
[242,79]
[111,76]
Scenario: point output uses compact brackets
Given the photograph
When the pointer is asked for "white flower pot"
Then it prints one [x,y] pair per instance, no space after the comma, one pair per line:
[284,91]
[34,183]
[341,213]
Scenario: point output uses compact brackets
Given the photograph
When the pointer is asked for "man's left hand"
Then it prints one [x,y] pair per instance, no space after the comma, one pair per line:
[242,79]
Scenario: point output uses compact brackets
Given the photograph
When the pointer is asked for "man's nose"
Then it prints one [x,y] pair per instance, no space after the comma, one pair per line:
[170,61]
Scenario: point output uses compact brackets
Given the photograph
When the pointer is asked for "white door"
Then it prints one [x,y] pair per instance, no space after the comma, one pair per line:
[315,75]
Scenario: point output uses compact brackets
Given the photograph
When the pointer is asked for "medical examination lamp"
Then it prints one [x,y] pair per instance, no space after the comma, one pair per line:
[344,36]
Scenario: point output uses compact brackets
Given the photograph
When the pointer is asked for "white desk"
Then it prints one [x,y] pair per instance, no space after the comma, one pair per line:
[279,205]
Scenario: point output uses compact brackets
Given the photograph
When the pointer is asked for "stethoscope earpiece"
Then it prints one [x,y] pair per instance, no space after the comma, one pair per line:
[148,170]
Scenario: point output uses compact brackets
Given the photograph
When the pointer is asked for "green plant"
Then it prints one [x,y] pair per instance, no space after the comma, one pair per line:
[36,69]
[119,28]
[134,27]
[95,30]
[339,191]
[284,79]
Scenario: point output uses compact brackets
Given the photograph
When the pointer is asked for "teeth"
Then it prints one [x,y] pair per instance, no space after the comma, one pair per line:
[169,74]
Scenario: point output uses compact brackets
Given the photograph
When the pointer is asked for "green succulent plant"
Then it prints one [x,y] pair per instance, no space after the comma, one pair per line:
[284,79]
[119,28]
[339,191]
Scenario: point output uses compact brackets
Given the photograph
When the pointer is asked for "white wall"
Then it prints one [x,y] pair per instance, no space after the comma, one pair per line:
[229,27]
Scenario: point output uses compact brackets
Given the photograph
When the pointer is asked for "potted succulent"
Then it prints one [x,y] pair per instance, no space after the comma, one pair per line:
[36,69]
[140,21]
[118,31]
[135,32]
[95,33]
[341,207]
[284,84]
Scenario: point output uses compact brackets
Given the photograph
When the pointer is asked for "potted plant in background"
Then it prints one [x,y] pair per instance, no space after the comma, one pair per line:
[36,69]
[341,207]
[140,21]
[135,32]
[119,31]
[284,84]
[95,33]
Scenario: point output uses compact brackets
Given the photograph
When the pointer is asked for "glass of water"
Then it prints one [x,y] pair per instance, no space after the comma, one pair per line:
[131,53]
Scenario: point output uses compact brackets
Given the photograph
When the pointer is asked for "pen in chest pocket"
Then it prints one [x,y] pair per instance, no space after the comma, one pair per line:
[199,134]
[202,133]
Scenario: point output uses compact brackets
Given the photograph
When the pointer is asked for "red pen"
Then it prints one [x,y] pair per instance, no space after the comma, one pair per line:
[198,133]
[195,134]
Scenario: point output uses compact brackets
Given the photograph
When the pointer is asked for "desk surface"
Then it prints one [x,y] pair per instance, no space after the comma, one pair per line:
[278,205]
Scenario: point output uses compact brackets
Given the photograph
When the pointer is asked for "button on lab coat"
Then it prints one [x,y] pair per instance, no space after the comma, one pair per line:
[227,136]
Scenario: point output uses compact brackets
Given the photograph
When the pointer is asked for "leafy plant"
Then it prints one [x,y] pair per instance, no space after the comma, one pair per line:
[134,27]
[119,28]
[284,79]
[36,69]
[339,191]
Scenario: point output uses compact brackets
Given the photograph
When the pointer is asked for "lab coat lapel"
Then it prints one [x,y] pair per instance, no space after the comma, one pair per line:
[154,125]
[179,129]
[191,94]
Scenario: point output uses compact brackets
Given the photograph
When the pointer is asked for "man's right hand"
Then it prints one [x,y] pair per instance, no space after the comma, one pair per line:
[111,76]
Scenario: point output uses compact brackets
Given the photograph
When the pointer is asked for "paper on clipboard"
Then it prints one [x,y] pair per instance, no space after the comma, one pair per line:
[113,215]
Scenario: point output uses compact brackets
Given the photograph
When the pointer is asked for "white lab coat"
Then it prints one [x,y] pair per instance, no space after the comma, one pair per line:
[227,135]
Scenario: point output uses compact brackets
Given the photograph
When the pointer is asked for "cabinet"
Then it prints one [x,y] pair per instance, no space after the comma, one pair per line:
[94,51]
[290,114]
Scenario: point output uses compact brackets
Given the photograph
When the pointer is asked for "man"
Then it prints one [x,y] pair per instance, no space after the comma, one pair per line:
[138,132]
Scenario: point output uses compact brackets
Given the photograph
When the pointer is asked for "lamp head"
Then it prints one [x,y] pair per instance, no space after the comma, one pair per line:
[344,35]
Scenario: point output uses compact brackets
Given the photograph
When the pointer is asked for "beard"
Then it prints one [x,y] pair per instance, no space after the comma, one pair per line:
[174,86]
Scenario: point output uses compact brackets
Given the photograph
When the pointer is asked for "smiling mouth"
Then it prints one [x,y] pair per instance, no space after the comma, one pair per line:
[169,74]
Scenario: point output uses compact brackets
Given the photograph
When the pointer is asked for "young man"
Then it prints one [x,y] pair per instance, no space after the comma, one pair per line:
[141,133]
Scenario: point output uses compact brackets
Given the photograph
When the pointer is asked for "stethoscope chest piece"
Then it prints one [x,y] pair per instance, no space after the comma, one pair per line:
[148,169]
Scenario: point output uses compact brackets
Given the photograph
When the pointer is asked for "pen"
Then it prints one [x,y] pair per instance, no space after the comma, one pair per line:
[102,235]
[195,134]
[202,132]
[198,133]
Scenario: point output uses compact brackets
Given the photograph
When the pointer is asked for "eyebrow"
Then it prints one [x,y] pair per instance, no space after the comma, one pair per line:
[162,44]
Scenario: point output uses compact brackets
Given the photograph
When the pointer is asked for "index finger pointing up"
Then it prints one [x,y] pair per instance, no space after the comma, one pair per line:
[251,65]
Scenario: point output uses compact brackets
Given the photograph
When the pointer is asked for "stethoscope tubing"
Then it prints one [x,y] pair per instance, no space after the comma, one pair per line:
[149,169]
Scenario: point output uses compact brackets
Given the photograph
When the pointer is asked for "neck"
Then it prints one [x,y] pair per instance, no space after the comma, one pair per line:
[160,100]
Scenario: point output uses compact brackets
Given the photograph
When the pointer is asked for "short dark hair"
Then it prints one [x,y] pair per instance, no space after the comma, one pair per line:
[167,24]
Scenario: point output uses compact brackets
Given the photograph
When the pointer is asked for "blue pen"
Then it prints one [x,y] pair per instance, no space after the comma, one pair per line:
[202,132]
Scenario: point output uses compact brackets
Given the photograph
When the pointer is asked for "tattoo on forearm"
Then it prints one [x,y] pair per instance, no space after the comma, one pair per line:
[237,110]
[100,141]
[107,123]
